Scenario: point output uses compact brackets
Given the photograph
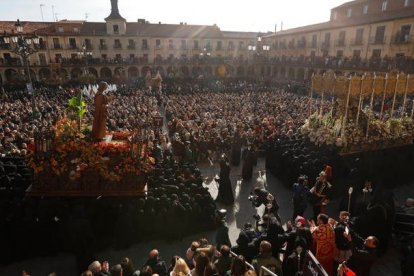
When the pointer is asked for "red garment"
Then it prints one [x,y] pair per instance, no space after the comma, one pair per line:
[328,171]
[324,236]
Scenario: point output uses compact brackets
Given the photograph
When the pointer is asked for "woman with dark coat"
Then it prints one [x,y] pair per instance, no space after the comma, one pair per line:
[225,191]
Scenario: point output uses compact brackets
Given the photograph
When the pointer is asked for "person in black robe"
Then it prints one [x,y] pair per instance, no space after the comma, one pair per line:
[236,150]
[249,159]
[225,192]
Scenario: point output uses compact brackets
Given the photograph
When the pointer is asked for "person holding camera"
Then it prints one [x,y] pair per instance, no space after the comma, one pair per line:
[262,196]
[343,239]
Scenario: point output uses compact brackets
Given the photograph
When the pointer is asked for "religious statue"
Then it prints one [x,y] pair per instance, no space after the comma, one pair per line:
[101,112]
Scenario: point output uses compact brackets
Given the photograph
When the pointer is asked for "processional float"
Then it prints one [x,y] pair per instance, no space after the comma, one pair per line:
[365,113]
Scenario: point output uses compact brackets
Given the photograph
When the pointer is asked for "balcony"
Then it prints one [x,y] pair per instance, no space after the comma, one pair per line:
[57,47]
[72,47]
[401,39]
[103,47]
[183,48]
[301,44]
[313,45]
[340,43]
[118,46]
[219,48]
[291,45]
[171,47]
[145,48]
[230,48]
[89,47]
[158,47]
[325,45]
[131,47]
[357,42]
[377,40]
[40,46]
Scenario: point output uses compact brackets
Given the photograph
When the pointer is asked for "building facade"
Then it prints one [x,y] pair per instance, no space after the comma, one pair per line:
[361,35]
[120,49]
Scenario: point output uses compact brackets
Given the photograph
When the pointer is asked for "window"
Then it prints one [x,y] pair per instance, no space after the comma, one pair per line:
[144,44]
[158,44]
[314,40]
[219,45]
[116,29]
[341,39]
[349,13]
[104,56]
[339,53]
[170,44]
[376,53]
[208,45]
[183,45]
[379,35]
[334,15]
[241,45]
[56,43]
[60,29]
[102,42]
[384,5]
[365,9]
[131,44]
[88,43]
[72,43]
[195,45]
[118,56]
[117,44]
[405,33]
[131,56]
[230,45]
[359,36]
[407,3]
[42,59]
[58,57]
[356,54]
[76,30]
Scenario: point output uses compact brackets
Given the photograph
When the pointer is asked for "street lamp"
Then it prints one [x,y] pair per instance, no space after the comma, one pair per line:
[23,45]
[85,54]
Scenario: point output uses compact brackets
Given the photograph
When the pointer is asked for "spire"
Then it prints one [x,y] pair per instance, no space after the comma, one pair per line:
[114,11]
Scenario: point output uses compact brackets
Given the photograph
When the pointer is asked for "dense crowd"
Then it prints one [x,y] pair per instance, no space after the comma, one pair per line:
[201,125]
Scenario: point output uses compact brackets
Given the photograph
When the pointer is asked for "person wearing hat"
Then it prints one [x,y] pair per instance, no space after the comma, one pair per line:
[300,195]
[101,112]
[319,194]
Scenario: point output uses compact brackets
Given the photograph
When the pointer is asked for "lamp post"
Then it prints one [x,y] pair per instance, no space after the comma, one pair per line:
[85,54]
[23,45]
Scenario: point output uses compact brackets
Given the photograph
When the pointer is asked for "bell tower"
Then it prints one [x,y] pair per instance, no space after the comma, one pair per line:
[115,23]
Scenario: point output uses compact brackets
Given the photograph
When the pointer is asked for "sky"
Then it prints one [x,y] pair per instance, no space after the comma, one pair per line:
[229,15]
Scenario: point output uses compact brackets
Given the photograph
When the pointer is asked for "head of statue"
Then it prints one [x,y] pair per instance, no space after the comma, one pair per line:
[102,86]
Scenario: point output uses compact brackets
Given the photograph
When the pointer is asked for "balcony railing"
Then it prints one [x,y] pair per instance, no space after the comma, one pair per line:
[145,48]
[377,40]
[171,47]
[340,43]
[158,47]
[57,47]
[325,45]
[302,44]
[131,46]
[356,42]
[183,48]
[72,47]
[89,47]
[103,47]
[401,39]
[118,46]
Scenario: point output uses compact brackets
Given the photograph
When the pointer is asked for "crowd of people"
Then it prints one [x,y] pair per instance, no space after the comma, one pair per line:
[240,122]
